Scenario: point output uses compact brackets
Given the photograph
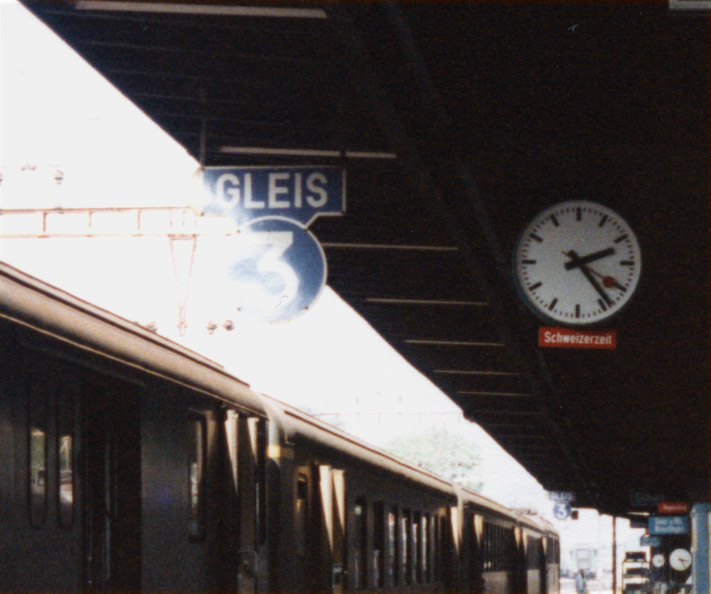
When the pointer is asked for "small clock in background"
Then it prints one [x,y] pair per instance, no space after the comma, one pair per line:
[658,560]
[577,263]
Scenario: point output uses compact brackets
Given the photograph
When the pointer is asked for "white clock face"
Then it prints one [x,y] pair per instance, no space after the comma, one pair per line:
[658,560]
[680,559]
[577,263]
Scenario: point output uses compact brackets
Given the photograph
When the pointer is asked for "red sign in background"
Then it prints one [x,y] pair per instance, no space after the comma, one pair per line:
[673,507]
[567,338]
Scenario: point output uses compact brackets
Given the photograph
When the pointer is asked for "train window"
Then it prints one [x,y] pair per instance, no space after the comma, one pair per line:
[416,566]
[37,454]
[301,523]
[360,537]
[510,550]
[231,424]
[197,459]
[533,552]
[405,521]
[65,459]
[378,542]
[439,547]
[497,547]
[487,549]
[499,559]
[502,548]
[425,550]
[433,548]
[393,549]
[261,481]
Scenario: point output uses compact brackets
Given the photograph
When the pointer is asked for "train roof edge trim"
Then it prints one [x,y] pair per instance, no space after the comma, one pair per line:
[474,499]
[295,424]
[46,309]
[298,424]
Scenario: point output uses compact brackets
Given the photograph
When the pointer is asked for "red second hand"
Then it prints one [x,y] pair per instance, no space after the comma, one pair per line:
[607,281]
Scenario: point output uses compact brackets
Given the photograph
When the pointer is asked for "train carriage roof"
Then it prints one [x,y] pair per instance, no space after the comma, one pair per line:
[457,123]
[45,311]
[295,426]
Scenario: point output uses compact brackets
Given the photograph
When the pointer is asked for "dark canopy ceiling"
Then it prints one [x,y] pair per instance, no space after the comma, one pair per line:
[474,118]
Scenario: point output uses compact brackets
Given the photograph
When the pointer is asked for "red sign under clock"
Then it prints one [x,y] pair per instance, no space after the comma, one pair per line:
[567,338]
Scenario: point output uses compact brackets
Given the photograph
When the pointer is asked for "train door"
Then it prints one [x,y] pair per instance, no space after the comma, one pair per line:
[476,581]
[332,489]
[249,435]
[307,533]
[237,512]
[543,556]
[40,491]
[111,468]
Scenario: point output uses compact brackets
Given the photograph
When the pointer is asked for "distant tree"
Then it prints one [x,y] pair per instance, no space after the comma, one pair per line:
[450,455]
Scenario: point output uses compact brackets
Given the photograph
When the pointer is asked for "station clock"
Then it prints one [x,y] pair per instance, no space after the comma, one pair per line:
[577,263]
[680,559]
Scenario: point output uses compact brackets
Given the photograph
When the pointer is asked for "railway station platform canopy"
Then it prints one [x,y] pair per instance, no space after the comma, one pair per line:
[456,124]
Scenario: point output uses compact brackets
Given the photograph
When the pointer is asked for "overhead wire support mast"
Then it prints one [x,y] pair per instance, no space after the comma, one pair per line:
[180,225]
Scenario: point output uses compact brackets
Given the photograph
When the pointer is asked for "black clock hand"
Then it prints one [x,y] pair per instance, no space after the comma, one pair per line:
[607,281]
[591,279]
[580,261]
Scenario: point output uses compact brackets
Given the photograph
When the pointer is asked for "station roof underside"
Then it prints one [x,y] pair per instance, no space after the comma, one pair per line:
[457,123]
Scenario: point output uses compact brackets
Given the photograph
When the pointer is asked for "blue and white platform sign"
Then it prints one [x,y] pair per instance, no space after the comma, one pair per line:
[561,510]
[650,541]
[566,496]
[278,267]
[662,525]
[299,194]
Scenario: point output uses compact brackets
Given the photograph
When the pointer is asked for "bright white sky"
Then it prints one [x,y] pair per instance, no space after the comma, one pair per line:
[56,112]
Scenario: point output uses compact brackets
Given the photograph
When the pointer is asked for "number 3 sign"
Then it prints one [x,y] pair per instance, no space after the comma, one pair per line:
[277,270]
[277,267]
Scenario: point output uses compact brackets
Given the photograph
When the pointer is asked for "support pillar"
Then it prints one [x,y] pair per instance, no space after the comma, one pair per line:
[614,554]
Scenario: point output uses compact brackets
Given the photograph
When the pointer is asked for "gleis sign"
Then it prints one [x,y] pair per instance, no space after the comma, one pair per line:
[566,496]
[276,267]
[299,194]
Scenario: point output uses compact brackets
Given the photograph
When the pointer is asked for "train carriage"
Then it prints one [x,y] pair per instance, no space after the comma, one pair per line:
[130,463]
[364,519]
[113,445]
